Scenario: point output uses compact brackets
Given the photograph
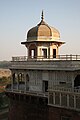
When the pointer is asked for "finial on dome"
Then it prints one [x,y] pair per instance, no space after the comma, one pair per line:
[42,16]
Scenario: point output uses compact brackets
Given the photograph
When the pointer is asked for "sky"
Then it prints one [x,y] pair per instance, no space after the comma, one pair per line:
[18,16]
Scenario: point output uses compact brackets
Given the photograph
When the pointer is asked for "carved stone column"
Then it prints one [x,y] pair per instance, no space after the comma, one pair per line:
[74,101]
[54,98]
[67,100]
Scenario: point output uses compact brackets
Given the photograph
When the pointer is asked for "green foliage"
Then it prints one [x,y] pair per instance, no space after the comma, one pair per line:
[4,79]
[3,100]
[3,82]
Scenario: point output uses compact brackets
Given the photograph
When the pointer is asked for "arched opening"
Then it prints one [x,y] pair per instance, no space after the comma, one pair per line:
[21,78]
[15,80]
[27,77]
[14,77]
[44,53]
[77,81]
[32,51]
[27,82]
[54,53]
[21,82]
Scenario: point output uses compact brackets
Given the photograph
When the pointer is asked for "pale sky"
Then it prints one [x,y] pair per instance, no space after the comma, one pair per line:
[18,16]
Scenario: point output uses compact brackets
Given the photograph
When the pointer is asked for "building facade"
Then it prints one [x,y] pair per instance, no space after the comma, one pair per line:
[45,85]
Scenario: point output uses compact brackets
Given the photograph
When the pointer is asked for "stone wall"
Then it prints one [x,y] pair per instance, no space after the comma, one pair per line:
[28,110]
[37,77]
[56,113]
[34,108]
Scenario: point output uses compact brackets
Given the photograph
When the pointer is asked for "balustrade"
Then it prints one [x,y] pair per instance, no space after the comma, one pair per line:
[66,99]
[58,57]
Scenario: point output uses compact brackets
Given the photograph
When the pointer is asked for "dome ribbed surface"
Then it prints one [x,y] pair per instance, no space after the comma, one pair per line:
[42,30]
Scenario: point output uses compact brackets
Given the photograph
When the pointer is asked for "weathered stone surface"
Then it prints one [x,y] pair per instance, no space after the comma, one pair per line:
[28,110]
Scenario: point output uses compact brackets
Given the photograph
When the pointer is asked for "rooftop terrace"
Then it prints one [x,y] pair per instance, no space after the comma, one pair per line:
[58,57]
[61,62]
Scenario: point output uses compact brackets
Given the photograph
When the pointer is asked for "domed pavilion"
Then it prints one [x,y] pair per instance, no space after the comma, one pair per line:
[43,41]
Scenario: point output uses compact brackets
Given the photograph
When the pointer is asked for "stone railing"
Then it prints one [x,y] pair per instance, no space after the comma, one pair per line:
[58,57]
[32,93]
[64,98]
[15,89]
[65,89]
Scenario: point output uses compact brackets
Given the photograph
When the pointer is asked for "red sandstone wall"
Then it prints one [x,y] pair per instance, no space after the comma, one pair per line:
[24,111]
[35,108]
[57,113]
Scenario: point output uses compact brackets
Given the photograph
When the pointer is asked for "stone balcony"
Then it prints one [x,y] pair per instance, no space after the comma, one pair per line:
[68,98]
[22,89]
[47,58]
[61,62]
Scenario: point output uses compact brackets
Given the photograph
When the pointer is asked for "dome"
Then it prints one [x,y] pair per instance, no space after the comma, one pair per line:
[42,31]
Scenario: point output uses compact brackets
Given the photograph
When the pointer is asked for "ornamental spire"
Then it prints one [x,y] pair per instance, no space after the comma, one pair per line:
[42,16]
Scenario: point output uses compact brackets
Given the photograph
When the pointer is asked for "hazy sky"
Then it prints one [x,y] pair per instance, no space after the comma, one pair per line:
[18,16]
